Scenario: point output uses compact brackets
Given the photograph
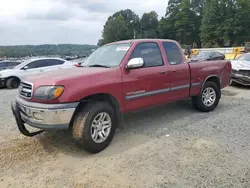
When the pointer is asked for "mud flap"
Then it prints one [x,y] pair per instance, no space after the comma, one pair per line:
[20,124]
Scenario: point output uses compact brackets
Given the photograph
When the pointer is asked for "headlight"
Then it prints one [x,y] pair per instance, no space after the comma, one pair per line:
[48,92]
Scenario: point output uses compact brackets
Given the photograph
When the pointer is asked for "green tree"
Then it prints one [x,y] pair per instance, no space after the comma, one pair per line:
[114,29]
[100,42]
[186,27]
[132,21]
[222,24]
[242,22]
[149,24]
[120,26]
[45,50]
[164,30]
[210,34]
[182,21]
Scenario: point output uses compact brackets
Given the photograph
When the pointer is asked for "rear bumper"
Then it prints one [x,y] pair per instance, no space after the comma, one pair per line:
[42,116]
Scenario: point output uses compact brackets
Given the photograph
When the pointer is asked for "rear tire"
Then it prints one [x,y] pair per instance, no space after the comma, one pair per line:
[209,98]
[89,132]
[12,83]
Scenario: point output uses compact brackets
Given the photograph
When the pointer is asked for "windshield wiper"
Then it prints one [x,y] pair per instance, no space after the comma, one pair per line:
[97,65]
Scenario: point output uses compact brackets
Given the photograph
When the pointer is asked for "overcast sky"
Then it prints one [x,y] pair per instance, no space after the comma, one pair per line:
[63,21]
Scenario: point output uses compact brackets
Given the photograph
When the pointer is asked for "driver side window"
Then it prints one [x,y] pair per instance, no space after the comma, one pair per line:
[150,53]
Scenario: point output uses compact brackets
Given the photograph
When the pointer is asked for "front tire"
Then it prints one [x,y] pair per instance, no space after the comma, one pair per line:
[94,126]
[209,98]
[12,83]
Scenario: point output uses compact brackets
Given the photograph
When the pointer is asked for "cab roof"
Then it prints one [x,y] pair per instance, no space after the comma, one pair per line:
[142,40]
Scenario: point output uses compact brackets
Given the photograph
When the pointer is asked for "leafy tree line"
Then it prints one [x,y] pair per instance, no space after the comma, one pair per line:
[46,49]
[207,23]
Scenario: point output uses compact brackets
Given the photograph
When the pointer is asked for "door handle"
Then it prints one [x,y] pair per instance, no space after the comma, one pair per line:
[163,72]
[173,70]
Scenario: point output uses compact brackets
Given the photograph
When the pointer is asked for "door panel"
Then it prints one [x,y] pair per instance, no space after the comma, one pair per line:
[145,87]
[179,72]
[149,85]
[180,81]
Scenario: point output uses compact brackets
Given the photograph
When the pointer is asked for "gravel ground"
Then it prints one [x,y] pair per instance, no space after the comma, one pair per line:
[168,146]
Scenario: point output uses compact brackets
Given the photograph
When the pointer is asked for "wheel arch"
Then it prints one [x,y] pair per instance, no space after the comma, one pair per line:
[212,78]
[12,77]
[101,97]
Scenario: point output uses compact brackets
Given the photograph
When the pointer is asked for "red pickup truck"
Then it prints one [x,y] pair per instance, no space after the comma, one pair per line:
[117,78]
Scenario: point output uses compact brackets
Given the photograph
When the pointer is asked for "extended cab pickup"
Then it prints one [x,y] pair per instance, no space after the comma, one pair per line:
[117,78]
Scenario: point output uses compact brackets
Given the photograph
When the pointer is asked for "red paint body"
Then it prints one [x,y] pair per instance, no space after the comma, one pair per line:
[80,83]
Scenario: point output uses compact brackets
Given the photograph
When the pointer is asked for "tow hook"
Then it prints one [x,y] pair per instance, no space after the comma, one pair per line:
[20,124]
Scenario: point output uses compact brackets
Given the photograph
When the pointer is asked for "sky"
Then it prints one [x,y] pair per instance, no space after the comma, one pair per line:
[63,21]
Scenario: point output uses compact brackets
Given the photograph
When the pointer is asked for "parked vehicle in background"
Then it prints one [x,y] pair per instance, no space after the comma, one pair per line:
[117,78]
[77,62]
[8,64]
[208,56]
[241,70]
[11,78]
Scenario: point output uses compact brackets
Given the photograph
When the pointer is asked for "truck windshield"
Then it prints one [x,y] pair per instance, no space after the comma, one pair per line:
[107,56]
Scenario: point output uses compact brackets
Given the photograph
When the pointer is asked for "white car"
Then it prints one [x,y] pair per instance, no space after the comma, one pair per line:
[11,78]
[241,70]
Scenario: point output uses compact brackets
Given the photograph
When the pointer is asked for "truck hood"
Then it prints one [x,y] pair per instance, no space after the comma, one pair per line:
[240,65]
[65,75]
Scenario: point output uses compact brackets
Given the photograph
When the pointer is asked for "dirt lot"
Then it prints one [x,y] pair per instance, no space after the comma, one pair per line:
[169,146]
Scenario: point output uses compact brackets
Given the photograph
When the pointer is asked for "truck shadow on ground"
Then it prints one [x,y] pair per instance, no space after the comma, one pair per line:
[138,128]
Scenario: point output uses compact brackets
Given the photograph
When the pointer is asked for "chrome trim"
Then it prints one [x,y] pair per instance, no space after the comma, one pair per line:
[27,90]
[195,84]
[146,94]
[156,92]
[207,79]
[46,118]
[180,87]
[32,88]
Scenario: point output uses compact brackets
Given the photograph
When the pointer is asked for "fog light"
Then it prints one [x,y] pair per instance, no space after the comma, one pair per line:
[38,116]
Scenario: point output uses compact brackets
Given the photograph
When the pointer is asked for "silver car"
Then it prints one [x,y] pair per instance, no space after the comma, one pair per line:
[241,70]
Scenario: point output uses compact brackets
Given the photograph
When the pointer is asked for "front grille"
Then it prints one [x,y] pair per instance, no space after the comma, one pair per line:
[25,90]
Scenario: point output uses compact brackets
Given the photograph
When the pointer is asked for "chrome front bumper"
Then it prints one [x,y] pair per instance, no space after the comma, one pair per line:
[43,116]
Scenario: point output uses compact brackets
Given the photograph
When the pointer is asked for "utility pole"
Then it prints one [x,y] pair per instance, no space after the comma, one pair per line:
[134,34]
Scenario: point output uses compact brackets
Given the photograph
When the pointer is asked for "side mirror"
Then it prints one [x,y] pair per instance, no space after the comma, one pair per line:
[25,68]
[135,63]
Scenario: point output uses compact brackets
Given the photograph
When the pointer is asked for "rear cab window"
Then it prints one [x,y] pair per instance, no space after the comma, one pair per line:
[173,53]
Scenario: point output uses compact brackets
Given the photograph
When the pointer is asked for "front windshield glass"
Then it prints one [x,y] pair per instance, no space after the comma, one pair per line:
[108,56]
[245,57]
